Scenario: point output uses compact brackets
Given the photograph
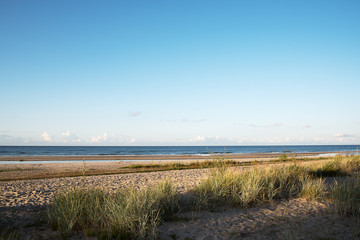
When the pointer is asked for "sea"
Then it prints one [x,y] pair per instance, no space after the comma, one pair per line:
[165,150]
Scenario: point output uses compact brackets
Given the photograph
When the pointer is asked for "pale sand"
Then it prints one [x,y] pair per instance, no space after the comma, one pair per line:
[20,200]
[270,221]
[39,192]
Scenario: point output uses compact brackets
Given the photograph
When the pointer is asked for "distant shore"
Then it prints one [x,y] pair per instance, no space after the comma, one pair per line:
[231,156]
[39,167]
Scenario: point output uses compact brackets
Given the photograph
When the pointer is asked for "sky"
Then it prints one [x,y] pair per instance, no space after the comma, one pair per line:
[190,72]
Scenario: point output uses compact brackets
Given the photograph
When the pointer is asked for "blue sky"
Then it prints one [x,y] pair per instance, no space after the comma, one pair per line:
[179,72]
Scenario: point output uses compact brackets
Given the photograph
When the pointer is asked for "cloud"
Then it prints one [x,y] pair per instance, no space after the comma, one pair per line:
[307,126]
[193,120]
[134,114]
[343,135]
[99,139]
[266,126]
[112,139]
[46,137]
[198,139]
[211,140]
[69,136]
[4,131]
[66,134]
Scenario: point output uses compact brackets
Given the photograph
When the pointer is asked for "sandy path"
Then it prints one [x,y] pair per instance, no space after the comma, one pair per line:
[269,221]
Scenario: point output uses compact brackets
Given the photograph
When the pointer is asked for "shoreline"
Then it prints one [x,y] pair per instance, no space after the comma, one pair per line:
[230,156]
[32,167]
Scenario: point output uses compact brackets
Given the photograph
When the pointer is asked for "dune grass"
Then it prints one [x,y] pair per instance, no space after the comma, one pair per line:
[345,196]
[339,166]
[256,185]
[126,214]
[135,214]
[179,166]
[10,234]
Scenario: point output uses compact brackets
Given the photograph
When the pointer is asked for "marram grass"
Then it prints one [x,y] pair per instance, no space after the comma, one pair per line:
[345,196]
[127,214]
[340,166]
[257,185]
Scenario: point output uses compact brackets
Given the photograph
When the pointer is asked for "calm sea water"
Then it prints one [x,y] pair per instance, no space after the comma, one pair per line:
[158,150]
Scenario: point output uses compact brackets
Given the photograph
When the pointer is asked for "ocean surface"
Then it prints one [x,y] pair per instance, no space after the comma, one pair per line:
[163,150]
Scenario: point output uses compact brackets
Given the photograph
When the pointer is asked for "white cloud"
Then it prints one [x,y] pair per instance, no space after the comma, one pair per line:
[307,126]
[343,135]
[99,139]
[111,139]
[210,140]
[69,137]
[198,139]
[348,138]
[66,134]
[46,137]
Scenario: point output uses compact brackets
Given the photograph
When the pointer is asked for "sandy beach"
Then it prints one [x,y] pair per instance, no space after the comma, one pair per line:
[22,200]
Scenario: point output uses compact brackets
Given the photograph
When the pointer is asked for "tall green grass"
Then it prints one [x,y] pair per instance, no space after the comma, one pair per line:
[216,162]
[345,196]
[10,234]
[127,214]
[340,166]
[256,185]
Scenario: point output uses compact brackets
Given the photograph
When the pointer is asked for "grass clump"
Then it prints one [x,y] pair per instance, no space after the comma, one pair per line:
[218,162]
[10,234]
[126,214]
[314,189]
[256,185]
[345,196]
[340,166]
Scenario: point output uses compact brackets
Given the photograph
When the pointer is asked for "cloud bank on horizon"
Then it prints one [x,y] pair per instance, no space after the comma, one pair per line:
[179,73]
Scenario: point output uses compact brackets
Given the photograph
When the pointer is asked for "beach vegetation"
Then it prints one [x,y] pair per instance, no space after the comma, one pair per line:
[256,185]
[217,162]
[10,233]
[126,214]
[339,166]
[283,157]
[135,213]
[288,155]
[345,195]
